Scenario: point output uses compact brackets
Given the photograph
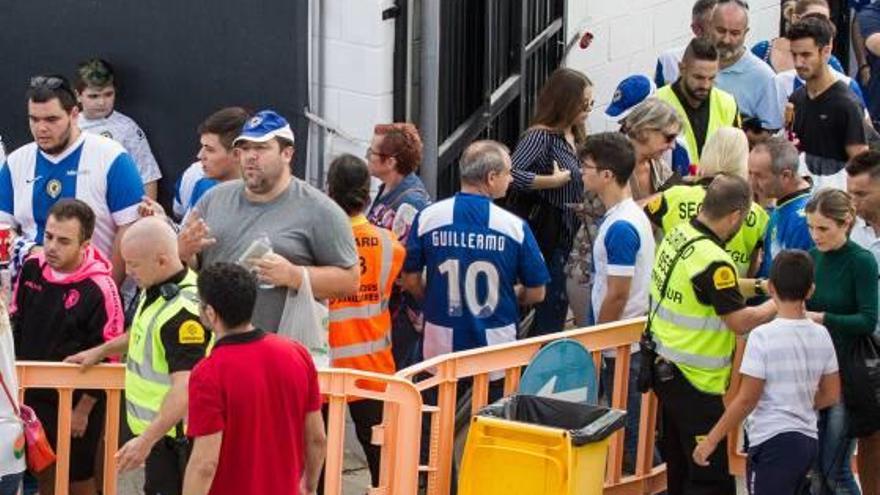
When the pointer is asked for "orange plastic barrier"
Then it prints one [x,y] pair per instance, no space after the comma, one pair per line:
[65,378]
[510,358]
[402,416]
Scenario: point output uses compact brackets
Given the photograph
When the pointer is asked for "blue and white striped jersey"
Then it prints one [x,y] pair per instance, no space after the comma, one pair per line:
[474,253]
[94,169]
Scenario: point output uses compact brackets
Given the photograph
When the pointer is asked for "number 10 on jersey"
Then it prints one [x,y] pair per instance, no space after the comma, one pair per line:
[484,308]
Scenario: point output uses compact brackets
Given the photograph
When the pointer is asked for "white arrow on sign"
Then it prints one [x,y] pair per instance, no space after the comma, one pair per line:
[572,395]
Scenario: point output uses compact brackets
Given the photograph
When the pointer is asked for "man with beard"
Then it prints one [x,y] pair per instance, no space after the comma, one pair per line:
[668,62]
[306,229]
[748,78]
[828,120]
[64,162]
[702,107]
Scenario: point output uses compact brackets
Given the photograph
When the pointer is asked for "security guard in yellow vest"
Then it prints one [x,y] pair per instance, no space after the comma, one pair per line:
[702,107]
[680,204]
[693,326]
[165,341]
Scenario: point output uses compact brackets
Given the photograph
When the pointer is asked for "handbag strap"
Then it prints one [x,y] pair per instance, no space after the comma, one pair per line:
[12,402]
[665,285]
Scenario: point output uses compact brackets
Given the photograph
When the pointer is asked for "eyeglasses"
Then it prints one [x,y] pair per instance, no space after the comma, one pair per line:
[370,152]
[51,82]
[585,167]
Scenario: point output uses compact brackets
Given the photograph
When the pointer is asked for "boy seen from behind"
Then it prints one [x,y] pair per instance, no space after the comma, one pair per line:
[789,372]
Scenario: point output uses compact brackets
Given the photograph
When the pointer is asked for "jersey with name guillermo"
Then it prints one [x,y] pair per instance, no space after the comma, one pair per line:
[474,253]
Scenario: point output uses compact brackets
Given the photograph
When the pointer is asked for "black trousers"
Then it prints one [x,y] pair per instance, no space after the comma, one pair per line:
[686,415]
[165,467]
[365,414]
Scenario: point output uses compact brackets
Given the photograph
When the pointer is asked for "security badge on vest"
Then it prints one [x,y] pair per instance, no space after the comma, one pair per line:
[147,376]
[687,331]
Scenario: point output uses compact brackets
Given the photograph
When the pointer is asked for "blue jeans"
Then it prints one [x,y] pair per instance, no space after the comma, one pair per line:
[833,471]
[551,312]
[10,483]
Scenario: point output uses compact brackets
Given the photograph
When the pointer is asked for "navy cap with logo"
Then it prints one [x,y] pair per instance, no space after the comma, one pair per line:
[629,93]
[265,125]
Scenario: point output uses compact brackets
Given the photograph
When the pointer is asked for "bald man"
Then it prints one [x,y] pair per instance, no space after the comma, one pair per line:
[165,342]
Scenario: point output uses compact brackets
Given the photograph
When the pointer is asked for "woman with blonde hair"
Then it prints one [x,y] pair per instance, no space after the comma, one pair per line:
[725,152]
[845,302]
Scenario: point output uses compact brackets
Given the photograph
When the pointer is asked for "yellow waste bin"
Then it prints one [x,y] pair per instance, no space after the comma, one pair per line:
[565,455]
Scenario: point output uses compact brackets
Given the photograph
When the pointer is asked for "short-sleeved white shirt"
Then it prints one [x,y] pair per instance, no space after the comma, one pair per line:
[791,356]
[125,131]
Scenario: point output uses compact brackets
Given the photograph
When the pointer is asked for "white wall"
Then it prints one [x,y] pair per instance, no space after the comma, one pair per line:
[359,68]
[359,51]
[630,33]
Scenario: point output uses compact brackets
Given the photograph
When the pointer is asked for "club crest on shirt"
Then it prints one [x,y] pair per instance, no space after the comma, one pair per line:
[191,332]
[71,299]
[53,188]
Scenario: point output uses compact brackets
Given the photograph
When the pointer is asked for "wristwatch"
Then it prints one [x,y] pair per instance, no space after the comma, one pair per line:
[759,287]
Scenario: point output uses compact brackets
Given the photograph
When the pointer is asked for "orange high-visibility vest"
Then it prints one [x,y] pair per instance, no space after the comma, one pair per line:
[360,325]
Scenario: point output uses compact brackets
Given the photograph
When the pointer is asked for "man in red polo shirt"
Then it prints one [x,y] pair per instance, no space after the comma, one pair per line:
[254,404]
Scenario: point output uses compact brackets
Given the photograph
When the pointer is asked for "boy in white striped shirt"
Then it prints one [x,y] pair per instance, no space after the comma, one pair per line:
[789,372]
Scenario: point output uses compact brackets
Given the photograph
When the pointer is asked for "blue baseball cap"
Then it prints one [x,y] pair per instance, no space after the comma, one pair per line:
[629,93]
[263,126]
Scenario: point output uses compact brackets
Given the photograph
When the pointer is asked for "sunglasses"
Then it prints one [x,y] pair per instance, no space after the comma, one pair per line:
[51,82]
[370,152]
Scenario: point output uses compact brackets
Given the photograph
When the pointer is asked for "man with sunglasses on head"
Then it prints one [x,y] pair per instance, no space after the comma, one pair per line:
[64,162]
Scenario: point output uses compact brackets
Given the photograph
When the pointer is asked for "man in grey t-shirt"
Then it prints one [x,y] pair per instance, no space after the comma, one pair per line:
[306,228]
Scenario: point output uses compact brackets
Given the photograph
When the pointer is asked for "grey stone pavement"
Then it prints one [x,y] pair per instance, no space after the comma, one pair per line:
[356,479]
